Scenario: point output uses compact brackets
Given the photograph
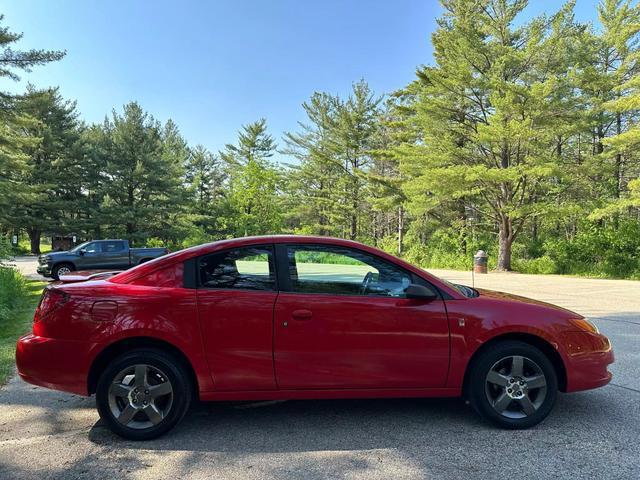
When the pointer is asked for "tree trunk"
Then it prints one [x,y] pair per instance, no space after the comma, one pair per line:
[618,172]
[400,229]
[506,240]
[34,239]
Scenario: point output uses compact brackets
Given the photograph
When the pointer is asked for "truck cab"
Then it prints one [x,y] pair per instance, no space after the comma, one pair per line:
[114,254]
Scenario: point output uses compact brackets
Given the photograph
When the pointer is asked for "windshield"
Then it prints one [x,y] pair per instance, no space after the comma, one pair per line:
[463,289]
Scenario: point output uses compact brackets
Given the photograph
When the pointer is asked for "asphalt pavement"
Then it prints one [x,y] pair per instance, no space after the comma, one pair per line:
[594,434]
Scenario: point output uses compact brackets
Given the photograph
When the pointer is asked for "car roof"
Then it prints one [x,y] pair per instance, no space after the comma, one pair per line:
[204,249]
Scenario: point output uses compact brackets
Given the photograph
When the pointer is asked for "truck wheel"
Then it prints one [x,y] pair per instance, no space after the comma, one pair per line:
[61,269]
[143,394]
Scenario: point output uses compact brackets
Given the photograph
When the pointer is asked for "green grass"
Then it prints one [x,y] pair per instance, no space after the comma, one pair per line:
[16,322]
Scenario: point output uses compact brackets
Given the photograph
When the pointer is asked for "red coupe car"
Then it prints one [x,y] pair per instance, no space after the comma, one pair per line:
[292,317]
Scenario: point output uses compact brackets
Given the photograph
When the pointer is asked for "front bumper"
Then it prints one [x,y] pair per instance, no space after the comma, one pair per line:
[44,270]
[52,363]
[589,355]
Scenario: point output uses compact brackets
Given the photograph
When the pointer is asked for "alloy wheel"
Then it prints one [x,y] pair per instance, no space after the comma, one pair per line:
[63,271]
[516,387]
[140,396]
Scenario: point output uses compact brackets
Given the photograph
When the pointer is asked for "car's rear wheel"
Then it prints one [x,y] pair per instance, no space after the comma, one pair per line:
[62,269]
[143,394]
[513,385]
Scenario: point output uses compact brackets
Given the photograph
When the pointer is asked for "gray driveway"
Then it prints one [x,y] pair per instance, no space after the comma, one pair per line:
[45,434]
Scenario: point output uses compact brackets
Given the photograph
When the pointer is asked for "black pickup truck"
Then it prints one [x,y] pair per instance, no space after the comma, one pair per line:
[96,254]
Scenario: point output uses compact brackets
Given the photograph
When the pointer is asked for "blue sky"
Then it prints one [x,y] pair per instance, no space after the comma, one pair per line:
[214,65]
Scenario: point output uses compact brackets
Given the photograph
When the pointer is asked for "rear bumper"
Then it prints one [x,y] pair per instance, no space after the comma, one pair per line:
[589,355]
[52,363]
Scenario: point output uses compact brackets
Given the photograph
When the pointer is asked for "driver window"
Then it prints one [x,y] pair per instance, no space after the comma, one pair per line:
[93,247]
[343,271]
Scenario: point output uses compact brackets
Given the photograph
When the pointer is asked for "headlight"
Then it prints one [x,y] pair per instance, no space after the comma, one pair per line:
[584,324]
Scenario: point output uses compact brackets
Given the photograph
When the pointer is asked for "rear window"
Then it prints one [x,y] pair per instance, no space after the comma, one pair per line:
[249,268]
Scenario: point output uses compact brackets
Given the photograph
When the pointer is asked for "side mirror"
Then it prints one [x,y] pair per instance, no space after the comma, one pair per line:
[419,292]
[82,251]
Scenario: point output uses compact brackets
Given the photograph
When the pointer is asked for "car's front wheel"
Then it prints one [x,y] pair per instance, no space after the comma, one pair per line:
[61,269]
[143,394]
[513,385]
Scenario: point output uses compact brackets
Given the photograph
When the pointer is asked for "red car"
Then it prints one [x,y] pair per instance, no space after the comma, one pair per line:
[291,317]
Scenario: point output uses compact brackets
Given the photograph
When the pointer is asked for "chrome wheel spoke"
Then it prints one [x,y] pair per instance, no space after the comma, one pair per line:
[502,402]
[497,378]
[127,414]
[119,389]
[537,381]
[517,366]
[159,390]
[153,414]
[527,406]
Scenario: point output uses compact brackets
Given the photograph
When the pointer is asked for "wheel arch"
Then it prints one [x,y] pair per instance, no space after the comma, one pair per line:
[63,262]
[535,341]
[128,344]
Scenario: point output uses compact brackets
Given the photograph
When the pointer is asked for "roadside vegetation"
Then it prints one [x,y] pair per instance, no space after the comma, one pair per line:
[520,137]
[18,299]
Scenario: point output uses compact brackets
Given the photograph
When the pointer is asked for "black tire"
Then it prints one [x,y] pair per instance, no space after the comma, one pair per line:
[494,366]
[56,271]
[159,367]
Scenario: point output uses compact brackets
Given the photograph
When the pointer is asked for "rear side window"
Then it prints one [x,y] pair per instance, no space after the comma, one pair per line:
[249,268]
[112,247]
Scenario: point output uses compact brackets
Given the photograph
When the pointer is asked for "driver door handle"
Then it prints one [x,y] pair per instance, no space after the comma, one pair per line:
[302,314]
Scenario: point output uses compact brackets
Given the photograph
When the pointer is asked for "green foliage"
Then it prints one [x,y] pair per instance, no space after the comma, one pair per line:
[609,250]
[328,188]
[12,291]
[254,206]
[15,122]
[6,249]
[18,299]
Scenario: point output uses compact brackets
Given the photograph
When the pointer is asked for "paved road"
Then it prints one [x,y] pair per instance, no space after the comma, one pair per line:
[45,434]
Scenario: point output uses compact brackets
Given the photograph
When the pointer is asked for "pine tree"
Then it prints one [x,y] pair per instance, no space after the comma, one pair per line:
[254,183]
[13,122]
[53,166]
[621,33]
[142,169]
[334,150]
[487,115]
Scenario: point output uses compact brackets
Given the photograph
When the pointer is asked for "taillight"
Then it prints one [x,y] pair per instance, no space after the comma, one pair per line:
[51,300]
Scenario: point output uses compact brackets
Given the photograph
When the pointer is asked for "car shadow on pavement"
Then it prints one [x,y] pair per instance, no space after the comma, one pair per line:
[328,425]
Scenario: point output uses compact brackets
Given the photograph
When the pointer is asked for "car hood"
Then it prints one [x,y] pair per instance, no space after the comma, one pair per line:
[511,298]
[55,254]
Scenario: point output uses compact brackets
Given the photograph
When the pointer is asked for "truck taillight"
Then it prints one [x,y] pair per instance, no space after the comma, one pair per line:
[51,300]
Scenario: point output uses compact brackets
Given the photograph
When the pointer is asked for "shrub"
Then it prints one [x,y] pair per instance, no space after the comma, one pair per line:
[13,289]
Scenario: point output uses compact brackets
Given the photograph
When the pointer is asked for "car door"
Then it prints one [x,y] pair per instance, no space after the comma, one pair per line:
[115,254]
[342,321]
[236,296]
[90,256]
